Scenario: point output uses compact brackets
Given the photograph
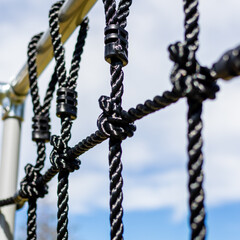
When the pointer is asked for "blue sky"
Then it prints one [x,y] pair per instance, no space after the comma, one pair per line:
[154,160]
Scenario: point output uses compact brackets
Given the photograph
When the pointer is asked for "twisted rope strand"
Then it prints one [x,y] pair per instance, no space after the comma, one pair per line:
[49,94]
[32,69]
[31,223]
[191,23]
[57,158]
[41,155]
[56,42]
[118,17]
[110,11]
[62,225]
[32,192]
[133,114]
[62,232]
[196,199]
[75,64]
[196,192]
[7,201]
[123,12]
[115,164]
[116,184]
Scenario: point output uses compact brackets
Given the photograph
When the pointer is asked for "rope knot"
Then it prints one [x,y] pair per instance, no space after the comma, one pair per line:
[111,122]
[188,77]
[59,158]
[32,185]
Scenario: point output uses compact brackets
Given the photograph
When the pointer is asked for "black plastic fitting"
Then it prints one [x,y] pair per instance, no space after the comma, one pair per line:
[228,66]
[41,128]
[116,44]
[66,103]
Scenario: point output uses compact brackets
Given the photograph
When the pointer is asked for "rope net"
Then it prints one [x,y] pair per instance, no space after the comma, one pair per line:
[189,79]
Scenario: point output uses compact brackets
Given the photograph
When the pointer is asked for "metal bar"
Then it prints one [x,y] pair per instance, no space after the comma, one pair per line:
[9,174]
[70,16]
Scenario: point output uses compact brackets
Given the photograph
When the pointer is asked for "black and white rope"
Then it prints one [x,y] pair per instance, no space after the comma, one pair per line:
[111,123]
[31,188]
[196,197]
[191,23]
[196,83]
[32,217]
[58,156]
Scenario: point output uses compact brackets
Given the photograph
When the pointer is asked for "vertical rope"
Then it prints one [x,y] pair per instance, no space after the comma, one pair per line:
[118,17]
[32,216]
[76,58]
[123,12]
[62,231]
[62,191]
[115,164]
[196,192]
[191,23]
[57,45]
[33,192]
[41,155]
[67,87]
[196,199]
[49,94]
[110,11]
[116,183]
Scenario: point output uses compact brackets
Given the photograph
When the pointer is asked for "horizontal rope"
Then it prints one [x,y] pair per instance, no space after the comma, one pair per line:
[141,110]
[133,114]
[7,201]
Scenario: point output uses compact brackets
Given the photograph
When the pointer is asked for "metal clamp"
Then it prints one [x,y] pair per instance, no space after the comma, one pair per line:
[13,104]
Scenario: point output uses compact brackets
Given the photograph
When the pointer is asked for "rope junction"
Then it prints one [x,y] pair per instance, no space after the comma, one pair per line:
[190,80]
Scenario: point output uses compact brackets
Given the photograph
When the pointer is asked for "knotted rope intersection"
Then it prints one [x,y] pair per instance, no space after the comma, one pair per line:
[110,122]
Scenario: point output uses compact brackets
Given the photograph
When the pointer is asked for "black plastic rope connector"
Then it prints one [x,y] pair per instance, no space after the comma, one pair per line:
[116,44]
[66,103]
[228,66]
[41,128]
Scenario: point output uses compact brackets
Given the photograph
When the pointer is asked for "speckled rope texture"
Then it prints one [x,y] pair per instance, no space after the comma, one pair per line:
[111,122]
[31,186]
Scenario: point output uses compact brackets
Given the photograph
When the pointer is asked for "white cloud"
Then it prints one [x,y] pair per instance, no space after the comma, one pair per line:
[222,179]
[156,191]
[137,155]
[88,191]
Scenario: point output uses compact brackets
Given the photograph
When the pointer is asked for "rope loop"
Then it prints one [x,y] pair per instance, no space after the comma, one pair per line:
[188,77]
[111,122]
[31,186]
[59,158]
